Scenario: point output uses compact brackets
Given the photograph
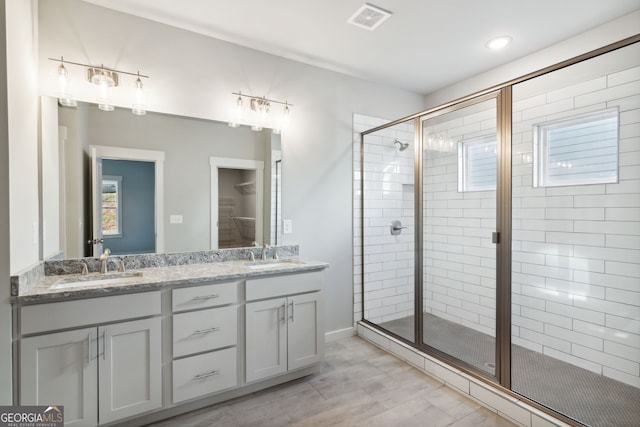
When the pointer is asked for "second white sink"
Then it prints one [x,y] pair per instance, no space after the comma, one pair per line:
[280,263]
[96,280]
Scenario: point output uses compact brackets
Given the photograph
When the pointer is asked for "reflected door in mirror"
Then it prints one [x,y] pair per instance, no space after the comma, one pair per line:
[236,208]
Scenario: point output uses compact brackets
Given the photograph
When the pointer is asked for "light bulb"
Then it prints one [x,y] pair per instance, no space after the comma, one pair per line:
[104,97]
[139,108]
[64,85]
[286,115]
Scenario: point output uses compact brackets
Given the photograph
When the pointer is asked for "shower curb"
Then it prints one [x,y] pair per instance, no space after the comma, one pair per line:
[507,406]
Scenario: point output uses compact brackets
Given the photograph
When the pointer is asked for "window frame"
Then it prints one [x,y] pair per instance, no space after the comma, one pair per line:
[464,184]
[541,131]
[118,209]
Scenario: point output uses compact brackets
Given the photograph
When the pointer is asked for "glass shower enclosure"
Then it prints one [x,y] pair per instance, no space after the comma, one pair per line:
[501,234]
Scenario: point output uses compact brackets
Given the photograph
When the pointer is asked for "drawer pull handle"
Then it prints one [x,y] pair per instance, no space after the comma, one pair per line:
[205,297]
[205,375]
[205,331]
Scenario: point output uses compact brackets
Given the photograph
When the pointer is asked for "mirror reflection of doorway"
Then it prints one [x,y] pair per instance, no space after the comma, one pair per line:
[127,200]
[236,208]
[128,206]
[237,199]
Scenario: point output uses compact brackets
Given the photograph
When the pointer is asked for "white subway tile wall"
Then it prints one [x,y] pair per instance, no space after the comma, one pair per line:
[388,196]
[576,249]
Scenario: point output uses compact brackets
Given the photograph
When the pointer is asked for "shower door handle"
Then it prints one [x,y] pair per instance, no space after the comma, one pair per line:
[495,237]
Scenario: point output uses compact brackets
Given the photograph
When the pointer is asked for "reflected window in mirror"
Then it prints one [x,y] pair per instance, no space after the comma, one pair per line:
[111,205]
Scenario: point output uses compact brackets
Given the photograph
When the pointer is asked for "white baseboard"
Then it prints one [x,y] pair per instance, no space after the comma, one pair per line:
[339,334]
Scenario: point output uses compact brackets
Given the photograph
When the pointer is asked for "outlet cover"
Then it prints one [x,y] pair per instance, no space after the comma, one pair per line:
[287,226]
[175,219]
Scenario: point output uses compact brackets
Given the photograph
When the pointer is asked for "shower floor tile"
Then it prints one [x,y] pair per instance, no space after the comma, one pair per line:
[590,398]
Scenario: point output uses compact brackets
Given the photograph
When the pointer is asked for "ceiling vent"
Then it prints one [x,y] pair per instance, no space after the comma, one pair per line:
[369,17]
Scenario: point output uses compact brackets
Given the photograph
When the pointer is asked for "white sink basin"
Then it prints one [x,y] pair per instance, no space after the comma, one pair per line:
[96,280]
[279,263]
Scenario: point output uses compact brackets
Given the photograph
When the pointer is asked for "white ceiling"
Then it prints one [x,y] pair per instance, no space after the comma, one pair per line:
[424,46]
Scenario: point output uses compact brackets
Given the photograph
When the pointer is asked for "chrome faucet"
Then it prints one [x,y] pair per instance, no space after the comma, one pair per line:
[252,257]
[265,250]
[103,261]
[84,269]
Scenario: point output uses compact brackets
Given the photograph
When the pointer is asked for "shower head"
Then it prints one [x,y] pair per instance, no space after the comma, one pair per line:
[401,145]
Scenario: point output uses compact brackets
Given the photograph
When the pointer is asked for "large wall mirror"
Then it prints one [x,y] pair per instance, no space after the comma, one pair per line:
[108,178]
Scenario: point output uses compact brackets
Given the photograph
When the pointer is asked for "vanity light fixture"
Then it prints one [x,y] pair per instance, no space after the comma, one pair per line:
[262,108]
[105,79]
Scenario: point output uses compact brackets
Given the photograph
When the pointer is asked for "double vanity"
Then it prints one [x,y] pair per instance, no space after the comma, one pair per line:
[167,335]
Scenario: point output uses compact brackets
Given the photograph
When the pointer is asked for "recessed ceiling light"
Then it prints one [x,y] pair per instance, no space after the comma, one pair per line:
[498,43]
[369,17]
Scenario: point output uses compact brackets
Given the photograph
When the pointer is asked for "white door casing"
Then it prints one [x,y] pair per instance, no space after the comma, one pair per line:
[99,152]
[231,163]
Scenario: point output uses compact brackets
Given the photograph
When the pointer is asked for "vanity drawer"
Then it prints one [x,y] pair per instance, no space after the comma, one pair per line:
[83,312]
[204,330]
[204,374]
[271,287]
[204,296]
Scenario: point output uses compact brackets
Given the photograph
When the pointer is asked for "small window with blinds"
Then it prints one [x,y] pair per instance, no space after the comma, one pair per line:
[477,164]
[579,150]
[111,204]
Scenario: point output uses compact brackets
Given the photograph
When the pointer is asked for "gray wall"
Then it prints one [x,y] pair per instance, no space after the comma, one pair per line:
[138,201]
[5,307]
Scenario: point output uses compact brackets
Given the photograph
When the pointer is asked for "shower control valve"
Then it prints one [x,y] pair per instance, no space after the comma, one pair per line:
[396,228]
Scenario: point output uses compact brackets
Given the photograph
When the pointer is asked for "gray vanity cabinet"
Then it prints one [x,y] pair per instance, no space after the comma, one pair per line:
[144,356]
[283,324]
[120,361]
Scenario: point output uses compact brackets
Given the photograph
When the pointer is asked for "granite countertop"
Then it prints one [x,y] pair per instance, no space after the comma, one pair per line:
[159,277]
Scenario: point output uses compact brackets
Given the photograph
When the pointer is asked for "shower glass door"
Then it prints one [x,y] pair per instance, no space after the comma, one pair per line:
[459,178]
[388,216]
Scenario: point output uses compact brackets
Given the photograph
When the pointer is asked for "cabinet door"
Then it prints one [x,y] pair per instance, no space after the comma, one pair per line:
[305,337]
[266,335]
[61,369]
[130,370]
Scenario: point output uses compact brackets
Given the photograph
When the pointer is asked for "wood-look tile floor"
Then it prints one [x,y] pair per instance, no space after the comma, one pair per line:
[358,385]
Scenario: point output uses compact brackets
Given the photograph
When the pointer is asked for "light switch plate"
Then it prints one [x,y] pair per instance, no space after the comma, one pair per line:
[287,226]
[175,219]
